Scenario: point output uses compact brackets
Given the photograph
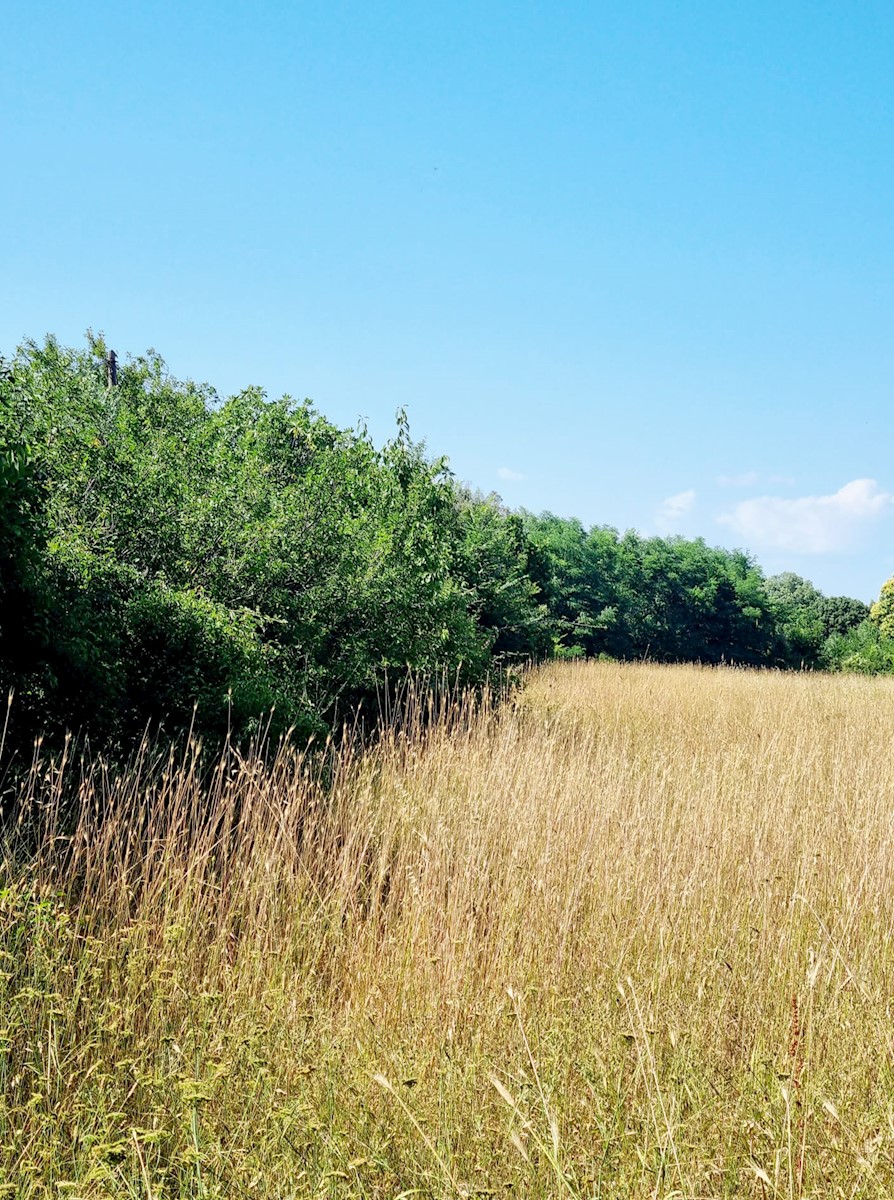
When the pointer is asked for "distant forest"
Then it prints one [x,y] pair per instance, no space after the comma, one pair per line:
[168,557]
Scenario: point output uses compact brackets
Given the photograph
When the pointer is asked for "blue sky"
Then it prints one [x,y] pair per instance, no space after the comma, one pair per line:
[632,262]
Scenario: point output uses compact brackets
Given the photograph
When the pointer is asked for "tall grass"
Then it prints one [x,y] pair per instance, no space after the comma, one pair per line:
[629,935]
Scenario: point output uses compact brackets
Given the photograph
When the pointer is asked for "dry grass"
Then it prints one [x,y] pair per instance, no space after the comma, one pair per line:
[630,936]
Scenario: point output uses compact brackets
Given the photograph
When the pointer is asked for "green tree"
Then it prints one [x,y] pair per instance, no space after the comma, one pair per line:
[799,607]
[840,614]
[882,612]
[667,599]
[495,561]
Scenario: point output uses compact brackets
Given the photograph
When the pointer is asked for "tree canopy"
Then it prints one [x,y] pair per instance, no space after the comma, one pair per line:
[168,556]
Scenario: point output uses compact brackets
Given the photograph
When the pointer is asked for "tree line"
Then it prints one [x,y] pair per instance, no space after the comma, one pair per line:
[168,557]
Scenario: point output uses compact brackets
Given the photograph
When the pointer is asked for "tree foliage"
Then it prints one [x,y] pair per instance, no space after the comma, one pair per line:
[667,599]
[165,556]
[237,556]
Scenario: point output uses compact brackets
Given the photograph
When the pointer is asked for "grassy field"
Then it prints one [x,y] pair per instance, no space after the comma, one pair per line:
[628,936]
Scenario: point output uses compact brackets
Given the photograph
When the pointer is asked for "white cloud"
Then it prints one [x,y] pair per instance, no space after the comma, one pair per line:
[810,524]
[675,507]
[746,479]
[511,476]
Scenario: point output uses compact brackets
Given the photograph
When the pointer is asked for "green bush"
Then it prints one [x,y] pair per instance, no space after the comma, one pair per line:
[863,649]
[231,557]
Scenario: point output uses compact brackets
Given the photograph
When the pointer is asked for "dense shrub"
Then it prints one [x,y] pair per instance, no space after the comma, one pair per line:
[863,649]
[174,551]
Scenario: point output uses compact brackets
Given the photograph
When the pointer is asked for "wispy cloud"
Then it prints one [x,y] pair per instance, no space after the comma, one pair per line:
[810,524]
[675,507]
[509,475]
[745,479]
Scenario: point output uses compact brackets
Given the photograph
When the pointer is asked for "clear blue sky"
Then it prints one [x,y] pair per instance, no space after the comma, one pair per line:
[632,262]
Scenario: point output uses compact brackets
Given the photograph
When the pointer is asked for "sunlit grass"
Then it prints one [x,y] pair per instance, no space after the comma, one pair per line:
[627,936]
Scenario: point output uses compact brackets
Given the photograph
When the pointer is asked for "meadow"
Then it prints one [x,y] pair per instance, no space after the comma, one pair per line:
[629,933]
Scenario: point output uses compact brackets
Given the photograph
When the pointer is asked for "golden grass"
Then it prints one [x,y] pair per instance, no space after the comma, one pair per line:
[627,936]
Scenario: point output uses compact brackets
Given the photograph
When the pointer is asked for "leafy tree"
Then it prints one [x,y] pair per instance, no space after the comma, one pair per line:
[807,618]
[668,599]
[578,577]
[882,612]
[840,614]
[495,561]
[793,592]
[799,607]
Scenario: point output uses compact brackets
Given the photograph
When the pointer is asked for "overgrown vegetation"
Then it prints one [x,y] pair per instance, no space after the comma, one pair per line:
[627,936]
[162,550]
